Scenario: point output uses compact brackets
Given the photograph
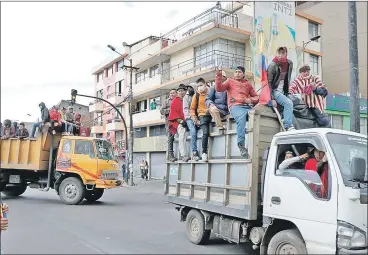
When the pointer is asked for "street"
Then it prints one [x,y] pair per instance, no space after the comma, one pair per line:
[126,220]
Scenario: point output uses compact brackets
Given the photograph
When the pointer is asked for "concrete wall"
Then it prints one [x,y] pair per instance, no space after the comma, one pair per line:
[335,43]
[150,144]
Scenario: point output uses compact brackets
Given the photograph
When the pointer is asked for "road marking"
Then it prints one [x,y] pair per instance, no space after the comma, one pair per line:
[92,247]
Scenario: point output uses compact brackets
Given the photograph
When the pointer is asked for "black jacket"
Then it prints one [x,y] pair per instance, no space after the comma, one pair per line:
[274,73]
[45,115]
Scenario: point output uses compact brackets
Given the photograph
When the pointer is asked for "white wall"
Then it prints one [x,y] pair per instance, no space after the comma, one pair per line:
[302,34]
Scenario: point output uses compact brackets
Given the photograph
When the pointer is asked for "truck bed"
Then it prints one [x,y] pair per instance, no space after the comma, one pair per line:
[27,154]
[227,184]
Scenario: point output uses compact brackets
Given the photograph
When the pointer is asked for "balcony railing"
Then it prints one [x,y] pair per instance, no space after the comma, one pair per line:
[206,61]
[213,15]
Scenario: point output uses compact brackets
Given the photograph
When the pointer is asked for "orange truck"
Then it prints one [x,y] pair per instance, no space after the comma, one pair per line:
[76,167]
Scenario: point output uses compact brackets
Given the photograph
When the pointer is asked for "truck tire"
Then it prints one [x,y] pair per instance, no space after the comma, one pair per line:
[14,191]
[72,191]
[94,195]
[287,242]
[196,228]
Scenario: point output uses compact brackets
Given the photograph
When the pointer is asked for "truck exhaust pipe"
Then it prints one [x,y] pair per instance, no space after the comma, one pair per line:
[50,166]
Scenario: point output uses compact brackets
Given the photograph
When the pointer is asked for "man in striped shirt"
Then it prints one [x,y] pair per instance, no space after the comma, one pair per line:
[313,92]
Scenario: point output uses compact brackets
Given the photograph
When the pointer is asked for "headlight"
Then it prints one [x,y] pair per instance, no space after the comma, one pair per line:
[349,236]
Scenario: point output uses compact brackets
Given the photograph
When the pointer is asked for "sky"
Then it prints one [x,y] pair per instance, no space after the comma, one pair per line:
[49,48]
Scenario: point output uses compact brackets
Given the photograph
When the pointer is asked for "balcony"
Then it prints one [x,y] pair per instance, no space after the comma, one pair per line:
[96,106]
[146,84]
[151,117]
[148,55]
[97,128]
[212,23]
[114,98]
[190,70]
[115,125]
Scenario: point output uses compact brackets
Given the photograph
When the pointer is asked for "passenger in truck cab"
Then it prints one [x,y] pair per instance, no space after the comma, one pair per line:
[177,122]
[200,114]
[165,111]
[8,130]
[318,162]
[290,161]
[216,102]
[55,118]
[22,131]
[187,101]
[241,97]
[313,92]
[45,117]
[279,75]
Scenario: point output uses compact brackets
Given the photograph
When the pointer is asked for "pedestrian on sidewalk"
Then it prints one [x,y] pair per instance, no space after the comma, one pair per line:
[123,169]
[145,170]
[141,166]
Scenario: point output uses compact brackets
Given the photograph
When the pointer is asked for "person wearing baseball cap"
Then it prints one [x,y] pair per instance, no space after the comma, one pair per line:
[279,78]
[241,97]
[313,92]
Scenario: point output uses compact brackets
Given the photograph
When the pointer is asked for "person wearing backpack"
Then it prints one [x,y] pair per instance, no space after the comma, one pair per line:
[187,101]
[200,114]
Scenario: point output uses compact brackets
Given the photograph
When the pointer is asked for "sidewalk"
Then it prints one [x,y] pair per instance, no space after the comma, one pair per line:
[150,186]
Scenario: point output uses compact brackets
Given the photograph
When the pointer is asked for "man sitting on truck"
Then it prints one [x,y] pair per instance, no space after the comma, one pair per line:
[216,103]
[8,130]
[241,97]
[45,117]
[200,115]
[177,122]
[165,110]
[313,91]
[55,118]
[22,131]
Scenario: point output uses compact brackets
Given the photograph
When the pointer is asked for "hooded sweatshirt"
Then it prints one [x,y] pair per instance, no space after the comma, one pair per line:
[45,116]
[200,106]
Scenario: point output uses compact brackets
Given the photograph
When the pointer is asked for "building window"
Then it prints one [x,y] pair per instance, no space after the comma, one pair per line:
[110,71]
[100,93]
[154,71]
[120,65]
[140,132]
[337,121]
[118,88]
[155,103]
[141,76]
[313,29]
[313,62]
[120,108]
[158,130]
[141,106]
[363,126]
[100,76]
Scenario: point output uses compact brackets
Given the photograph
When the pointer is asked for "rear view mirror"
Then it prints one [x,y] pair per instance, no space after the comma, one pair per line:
[357,169]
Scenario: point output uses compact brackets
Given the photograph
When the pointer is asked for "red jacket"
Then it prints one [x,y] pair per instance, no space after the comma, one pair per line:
[238,92]
[311,164]
[77,119]
[55,116]
[176,112]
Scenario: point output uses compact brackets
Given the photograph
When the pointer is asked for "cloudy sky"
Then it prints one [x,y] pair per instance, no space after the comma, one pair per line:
[48,48]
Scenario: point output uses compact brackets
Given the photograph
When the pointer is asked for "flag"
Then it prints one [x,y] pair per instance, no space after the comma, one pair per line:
[265,96]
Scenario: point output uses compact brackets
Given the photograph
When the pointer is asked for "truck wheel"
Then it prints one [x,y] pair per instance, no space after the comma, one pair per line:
[287,242]
[196,228]
[94,195]
[14,191]
[71,191]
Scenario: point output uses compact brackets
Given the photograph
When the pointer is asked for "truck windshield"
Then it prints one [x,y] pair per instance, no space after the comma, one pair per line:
[104,150]
[345,147]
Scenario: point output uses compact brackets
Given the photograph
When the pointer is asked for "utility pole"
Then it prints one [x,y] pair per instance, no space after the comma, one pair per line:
[131,131]
[353,68]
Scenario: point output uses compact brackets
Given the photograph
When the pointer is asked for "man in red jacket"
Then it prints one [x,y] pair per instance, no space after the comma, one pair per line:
[177,122]
[241,97]
[55,118]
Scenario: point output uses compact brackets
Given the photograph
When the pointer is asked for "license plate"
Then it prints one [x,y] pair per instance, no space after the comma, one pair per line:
[14,179]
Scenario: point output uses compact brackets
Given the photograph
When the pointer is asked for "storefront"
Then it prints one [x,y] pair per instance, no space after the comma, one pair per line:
[338,108]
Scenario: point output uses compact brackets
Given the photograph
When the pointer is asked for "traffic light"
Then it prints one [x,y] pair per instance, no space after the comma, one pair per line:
[74,96]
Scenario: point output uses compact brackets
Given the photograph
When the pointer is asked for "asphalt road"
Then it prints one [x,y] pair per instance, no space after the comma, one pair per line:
[126,220]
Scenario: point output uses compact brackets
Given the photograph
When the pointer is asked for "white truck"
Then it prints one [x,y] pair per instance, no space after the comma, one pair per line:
[278,211]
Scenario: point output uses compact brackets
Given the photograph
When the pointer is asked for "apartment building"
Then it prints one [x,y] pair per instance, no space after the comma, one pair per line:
[335,65]
[189,51]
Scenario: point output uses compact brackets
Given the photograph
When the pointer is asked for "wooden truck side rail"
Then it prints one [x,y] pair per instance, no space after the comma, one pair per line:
[226,184]
[26,153]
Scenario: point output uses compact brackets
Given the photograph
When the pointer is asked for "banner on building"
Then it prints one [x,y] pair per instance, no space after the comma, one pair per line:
[274,26]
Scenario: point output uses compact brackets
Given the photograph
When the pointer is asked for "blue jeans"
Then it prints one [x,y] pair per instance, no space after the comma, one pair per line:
[193,134]
[35,125]
[287,104]
[240,114]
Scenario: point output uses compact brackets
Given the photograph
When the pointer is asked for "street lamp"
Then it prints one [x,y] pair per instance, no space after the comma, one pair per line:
[129,100]
[315,38]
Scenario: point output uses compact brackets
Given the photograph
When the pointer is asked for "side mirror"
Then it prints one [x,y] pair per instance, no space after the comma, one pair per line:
[357,169]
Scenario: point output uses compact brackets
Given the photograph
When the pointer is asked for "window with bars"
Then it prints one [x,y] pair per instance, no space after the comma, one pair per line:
[313,62]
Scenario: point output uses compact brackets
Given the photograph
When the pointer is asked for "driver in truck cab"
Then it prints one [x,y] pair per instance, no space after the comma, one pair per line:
[241,97]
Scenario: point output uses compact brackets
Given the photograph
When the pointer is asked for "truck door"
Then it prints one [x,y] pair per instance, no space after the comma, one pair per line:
[291,194]
[84,159]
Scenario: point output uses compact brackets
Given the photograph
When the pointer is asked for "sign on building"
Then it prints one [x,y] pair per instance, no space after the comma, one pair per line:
[342,103]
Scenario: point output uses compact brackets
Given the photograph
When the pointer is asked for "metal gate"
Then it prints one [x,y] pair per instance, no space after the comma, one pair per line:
[137,158]
[158,165]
